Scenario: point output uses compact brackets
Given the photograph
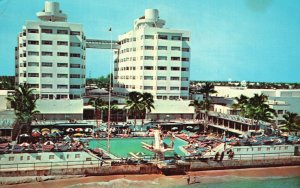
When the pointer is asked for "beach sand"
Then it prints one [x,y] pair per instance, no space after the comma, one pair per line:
[159,180]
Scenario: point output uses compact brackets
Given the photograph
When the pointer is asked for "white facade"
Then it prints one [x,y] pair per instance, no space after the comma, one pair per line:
[50,56]
[290,96]
[153,59]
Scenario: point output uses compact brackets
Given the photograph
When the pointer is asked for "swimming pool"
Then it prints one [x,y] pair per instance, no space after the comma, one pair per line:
[120,147]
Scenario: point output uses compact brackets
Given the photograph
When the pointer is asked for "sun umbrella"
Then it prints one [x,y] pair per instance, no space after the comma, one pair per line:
[78,135]
[69,130]
[45,132]
[35,130]
[49,143]
[24,144]
[189,127]
[174,128]
[55,130]
[78,129]
[24,135]
[45,129]
[88,130]
[35,134]
[67,138]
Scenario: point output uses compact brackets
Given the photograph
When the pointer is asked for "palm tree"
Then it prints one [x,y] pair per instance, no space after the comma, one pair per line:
[147,101]
[24,103]
[99,105]
[241,104]
[290,123]
[139,103]
[134,104]
[198,106]
[207,89]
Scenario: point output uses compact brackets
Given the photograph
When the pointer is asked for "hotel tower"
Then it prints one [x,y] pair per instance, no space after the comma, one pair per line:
[153,59]
[50,55]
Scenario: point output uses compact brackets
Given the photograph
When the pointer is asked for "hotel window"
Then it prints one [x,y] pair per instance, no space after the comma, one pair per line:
[74,55]
[161,78]
[161,68]
[174,78]
[148,77]
[286,147]
[75,66]
[162,58]
[33,74]
[75,44]
[31,53]
[149,37]
[268,149]
[62,54]
[185,49]
[148,68]
[74,75]
[62,43]
[185,59]
[185,39]
[280,112]
[11,158]
[46,64]
[74,86]
[148,87]
[161,87]
[33,64]
[47,86]
[21,158]
[46,53]
[274,148]
[62,64]
[47,31]
[62,86]
[175,48]
[175,58]
[75,32]
[174,88]
[149,57]
[163,37]
[184,69]
[51,156]
[162,48]
[33,31]
[39,157]
[28,158]
[77,156]
[33,42]
[33,85]
[61,157]
[238,150]
[176,37]
[184,88]
[175,68]
[184,79]
[258,149]
[149,47]
[62,75]
[64,32]
[48,75]
[46,42]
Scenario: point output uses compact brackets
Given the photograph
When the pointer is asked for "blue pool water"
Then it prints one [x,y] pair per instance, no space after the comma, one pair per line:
[121,147]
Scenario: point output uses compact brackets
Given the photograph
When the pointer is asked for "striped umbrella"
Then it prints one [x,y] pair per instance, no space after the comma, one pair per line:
[78,129]
[36,134]
[55,130]
[70,130]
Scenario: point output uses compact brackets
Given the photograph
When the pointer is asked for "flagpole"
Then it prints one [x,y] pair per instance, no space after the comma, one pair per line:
[109,95]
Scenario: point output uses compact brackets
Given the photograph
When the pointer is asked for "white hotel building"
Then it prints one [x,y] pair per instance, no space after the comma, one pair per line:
[153,59]
[50,57]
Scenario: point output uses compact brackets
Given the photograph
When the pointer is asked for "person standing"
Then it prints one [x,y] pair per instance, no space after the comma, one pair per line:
[188,179]
[222,156]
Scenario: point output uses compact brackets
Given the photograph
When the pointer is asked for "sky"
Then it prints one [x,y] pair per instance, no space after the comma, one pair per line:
[252,40]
